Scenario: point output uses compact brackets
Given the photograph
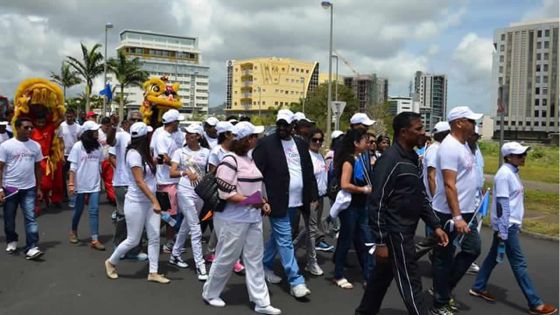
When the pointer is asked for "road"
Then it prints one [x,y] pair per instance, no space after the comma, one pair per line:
[70,279]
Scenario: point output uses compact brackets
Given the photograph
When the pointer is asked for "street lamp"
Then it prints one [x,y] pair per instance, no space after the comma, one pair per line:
[303,94]
[107,27]
[336,79]
[329,5]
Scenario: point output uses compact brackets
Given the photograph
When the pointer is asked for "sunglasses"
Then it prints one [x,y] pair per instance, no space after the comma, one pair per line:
[317,140]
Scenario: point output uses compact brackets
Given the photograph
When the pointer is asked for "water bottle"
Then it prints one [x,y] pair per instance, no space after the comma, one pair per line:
[501,252]
[165,216]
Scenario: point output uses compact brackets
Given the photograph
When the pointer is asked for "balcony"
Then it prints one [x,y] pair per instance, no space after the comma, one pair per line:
[247,77]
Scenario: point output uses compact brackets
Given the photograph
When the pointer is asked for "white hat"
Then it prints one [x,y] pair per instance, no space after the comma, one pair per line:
[171,116]
[514,148]
[244,128]
[4,123]
[301,116]
[224,126]
[212,121]
[335,134]
[195,128]
[441,127]
[89,125]
[139,129]
[462,112]
[286,115]
[361,119]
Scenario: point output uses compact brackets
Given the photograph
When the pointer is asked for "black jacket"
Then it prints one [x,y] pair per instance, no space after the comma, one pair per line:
[271,161]
[399,197]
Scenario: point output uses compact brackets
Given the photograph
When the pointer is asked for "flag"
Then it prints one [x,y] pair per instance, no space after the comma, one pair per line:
[483,210]
[107,92]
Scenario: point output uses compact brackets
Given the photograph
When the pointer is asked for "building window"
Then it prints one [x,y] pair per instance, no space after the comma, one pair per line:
[538,56]
[527,123]
[544,91]
[275,103]
[543,113]
[539,45]
[501,69]
[501,58]
[543,123]
[537,91]
[537,103]
[544,102]
[551,123]
[505,123]
[545,56]
[536,123]
[539,68]
[537,79]
[546,44]
[502,47]
[503,37]
[545,68]
[539,34]
[547,33]
[545,79]
[264,102]
[513,123]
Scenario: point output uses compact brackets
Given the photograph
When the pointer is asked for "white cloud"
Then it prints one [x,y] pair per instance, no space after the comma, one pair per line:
[548,10]
[474,57]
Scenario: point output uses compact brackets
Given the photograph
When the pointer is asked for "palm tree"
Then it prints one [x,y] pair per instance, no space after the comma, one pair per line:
[127,72]
[67,78]
[90,67]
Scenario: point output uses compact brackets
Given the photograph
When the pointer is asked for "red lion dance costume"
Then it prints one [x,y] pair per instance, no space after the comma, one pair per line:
[37,98]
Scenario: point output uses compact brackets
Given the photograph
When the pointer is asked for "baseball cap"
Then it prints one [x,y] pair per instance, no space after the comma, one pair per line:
[361,119]
[441,127]
[91,114]
[89,125]
[244,128]
[335,134]
[224,126]
[514,148]
[285,114]
[4,123]
[171,116]
[195,128]
[299,116]
[212,121]
[462,112]
[139,129]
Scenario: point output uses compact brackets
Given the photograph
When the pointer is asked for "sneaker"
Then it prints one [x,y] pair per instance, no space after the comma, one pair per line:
[73,238]
[11,247]
[544,309]
[269,309]
[444,310]
[299,291]
[324,247]
[97,245]
[314,269]
[156,277]
[216,302]
[483,294]
[168,247]
[138,257]
[210,258]
[473,269]
[33,253]
[110,270]
[178,261]
[238,267]
[271,277]
[201,273]
[453,306]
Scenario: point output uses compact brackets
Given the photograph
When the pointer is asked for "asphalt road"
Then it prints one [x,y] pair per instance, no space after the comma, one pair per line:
[70,279]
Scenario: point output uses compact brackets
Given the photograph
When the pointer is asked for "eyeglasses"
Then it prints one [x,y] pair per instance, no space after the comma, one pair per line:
[317,140]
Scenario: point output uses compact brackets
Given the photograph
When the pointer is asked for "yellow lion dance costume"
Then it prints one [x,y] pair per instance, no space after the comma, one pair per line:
[159,97]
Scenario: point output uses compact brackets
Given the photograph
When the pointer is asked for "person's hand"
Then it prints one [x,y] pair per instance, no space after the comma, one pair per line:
[39,194]
[71,190]
[381,252]
[314,205]
[266,208]
[1,195]
[193,177]
[461,226]
[366,189]
[156,206]
[443,239]
[166,159]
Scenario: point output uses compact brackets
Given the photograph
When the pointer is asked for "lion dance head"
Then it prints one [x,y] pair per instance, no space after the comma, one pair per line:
[159,97]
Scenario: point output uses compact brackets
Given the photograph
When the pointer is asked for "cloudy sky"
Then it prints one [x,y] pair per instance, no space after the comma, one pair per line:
[391,38]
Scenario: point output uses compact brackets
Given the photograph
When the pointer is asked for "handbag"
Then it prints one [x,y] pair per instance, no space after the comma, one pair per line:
[207,190]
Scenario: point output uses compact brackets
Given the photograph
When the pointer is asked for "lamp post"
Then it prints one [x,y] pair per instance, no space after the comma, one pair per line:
[107,27]
[329,5]
[336,79]
[303,94]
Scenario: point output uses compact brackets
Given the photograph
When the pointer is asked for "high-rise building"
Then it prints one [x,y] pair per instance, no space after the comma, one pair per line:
[399,104]
[430,91]
[370,90]
[176,57]
[525,65]
[255,85]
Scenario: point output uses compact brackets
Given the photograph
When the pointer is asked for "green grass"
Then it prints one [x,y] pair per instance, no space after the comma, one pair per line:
[541,164]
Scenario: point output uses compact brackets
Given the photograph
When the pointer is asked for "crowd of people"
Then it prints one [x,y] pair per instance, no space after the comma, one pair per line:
[381,188]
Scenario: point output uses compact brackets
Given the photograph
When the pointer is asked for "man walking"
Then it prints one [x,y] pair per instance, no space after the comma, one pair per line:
[68,131]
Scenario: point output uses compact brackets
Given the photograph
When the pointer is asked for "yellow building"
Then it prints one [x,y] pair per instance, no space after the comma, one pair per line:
[255,85]
[324,78]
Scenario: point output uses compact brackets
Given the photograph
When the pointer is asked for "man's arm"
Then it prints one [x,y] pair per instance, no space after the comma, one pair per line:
[432,180]
[449,182]
[38,175]
[111,135]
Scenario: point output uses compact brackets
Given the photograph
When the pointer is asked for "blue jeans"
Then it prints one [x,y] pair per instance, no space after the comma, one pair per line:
[93,211]
[516,261]
[281,242]
[26,200]
[353,229]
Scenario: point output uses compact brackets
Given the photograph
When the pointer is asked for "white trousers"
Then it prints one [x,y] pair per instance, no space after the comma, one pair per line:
[190,205]
[139,215]
[234,238]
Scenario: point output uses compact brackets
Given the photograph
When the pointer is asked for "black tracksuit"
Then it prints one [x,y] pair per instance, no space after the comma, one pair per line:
[397,203]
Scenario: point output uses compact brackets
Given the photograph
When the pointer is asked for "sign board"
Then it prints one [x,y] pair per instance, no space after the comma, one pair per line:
[337,107]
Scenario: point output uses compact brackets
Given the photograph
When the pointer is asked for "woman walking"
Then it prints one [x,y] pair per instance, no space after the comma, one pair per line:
[141,208]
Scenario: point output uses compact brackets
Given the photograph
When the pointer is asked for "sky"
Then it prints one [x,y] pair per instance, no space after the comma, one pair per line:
[393,39]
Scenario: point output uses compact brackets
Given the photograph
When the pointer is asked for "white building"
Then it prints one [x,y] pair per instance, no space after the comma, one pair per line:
[176,57]
[399,104]
[430,90]
[525,63]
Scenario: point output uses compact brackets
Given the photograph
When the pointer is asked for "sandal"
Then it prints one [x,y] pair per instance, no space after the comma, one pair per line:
[343,283]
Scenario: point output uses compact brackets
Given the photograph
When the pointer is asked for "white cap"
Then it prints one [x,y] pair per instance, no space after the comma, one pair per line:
[462,112]
[286,115]
[361,119]
[224,126]
[4,123]
[244,128]
[301,116]
[212,121]
[195,128]
[514,148]
[89,125]
[171,116]
[441,127]
[139,129]
[335,134]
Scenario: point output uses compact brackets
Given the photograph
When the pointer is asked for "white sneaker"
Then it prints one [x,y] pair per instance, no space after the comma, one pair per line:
[300,291]
[314,269]
[178,261]
[217,302]
[267,310]
[11,247]
[33,253]
[201,273]
[271,277]
[473,269]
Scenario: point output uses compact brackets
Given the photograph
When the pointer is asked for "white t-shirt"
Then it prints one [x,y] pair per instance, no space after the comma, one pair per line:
[122,140]
[164,144]
[320,171]
[178,136]
[19,160]
[430,160]
[296,177]
[508,184]
[69,135]
[217,155]
[134,193]
[195,161]
[212,142]
[455,156]
[87,167]
[4,136]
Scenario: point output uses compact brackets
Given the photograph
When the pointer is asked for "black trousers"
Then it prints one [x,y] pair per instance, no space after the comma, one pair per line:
[401,265]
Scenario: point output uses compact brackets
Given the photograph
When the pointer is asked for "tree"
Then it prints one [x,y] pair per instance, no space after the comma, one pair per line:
[127,72]
[67,77]
[90,67]
[383,119]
